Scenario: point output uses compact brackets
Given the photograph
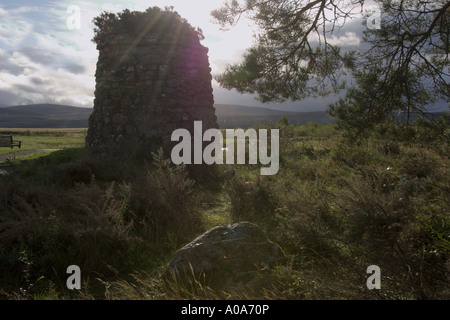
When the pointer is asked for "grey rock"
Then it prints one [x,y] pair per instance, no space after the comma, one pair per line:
[118,118]
[225,256]
[163,70]
[173,83]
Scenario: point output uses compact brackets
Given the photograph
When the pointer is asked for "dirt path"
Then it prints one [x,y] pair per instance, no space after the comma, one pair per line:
[23,153]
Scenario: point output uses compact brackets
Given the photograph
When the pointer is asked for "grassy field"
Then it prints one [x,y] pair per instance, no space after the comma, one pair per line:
[39,139]
[335,207]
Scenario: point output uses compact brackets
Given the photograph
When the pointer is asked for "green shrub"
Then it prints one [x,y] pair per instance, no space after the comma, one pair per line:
[74,173]
[418,166]
[253,201]
[163,199]
[354,156]
[389,147]
[84,226]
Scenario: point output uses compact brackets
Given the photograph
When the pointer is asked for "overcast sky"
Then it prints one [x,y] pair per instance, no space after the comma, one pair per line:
[43,61]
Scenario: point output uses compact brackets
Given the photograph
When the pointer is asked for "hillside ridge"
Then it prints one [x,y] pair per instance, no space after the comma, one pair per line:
[65,116]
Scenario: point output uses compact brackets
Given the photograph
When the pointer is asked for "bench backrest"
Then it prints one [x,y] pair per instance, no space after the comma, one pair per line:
[6,140]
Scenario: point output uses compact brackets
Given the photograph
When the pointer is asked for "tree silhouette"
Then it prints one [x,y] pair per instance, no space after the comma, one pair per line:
[403,66]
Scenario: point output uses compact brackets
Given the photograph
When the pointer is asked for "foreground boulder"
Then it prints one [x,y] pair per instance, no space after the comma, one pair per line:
[225,256]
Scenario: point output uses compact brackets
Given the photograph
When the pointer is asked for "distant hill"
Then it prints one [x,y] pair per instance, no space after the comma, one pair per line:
[63,116]
[44,116]
[234,116]
[228,116]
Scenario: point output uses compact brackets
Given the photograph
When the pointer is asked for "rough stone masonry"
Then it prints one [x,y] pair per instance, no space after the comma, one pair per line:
[149,82]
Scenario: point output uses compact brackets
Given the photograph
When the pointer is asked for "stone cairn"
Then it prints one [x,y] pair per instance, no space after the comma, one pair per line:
[149,82]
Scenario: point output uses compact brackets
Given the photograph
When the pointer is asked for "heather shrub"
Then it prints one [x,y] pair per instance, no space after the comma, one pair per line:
[354,156]
[253,201]
[84,227]
[163,200]
[74,173]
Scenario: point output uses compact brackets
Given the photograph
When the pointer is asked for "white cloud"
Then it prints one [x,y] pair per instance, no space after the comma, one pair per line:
[40,83]
[349,39]
[42,61]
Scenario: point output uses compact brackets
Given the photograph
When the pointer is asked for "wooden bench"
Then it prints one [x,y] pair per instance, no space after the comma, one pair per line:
[7,141]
